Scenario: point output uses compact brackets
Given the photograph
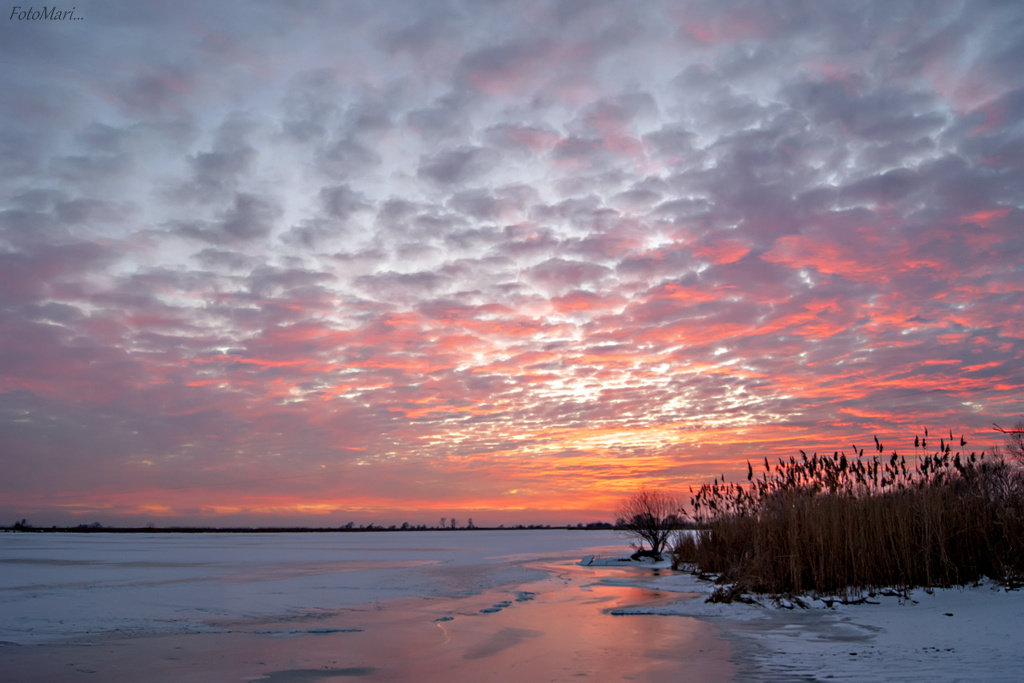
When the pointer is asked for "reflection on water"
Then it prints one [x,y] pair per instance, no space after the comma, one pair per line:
[566,630]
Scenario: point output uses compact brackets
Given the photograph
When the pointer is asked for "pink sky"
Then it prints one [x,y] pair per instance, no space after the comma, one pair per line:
[389,262]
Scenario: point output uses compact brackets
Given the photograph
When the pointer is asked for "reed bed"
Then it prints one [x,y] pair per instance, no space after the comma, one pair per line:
[839,525]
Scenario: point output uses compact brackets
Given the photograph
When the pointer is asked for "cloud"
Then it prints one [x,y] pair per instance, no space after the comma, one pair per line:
[507,68]
[157,91]
[249,218]
[445,119]
[220,169]
[520,139]
[558,274]
[35,274]
[449,167]
[418,256]
[341,202]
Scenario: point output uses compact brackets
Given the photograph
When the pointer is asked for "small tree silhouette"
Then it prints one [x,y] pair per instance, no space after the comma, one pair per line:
[1014,447]
[650,517]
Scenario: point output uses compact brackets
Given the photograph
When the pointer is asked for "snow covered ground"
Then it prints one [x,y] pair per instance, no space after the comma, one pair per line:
[973,633]
[453,605]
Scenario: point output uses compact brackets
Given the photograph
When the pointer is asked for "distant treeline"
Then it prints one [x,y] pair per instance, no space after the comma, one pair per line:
[96,527]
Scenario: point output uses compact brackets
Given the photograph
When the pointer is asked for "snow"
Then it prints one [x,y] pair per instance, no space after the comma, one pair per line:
[80,588]
[952,634]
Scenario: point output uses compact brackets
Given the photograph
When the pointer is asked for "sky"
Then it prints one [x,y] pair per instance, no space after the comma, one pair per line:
[315,262]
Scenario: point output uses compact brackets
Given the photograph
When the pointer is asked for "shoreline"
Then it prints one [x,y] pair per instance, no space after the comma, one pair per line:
[943,634]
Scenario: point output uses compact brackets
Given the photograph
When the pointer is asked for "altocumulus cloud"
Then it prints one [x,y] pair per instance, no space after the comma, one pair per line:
[364,259]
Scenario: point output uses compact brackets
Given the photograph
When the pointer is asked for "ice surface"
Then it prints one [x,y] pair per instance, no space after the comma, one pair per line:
[60,586]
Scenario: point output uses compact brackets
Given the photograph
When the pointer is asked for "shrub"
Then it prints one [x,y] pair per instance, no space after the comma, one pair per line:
[651,517]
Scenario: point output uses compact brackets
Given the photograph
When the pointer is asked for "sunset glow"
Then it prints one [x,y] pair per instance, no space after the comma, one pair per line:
[392,261]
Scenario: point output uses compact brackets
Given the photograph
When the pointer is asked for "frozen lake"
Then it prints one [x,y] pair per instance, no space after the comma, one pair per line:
[452,606]
[60,586]
[437,605]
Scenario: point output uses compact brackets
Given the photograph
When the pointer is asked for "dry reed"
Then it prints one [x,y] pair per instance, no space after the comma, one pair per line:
[842,525]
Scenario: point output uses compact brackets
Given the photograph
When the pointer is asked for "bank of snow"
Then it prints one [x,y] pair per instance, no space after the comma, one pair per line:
[968,633]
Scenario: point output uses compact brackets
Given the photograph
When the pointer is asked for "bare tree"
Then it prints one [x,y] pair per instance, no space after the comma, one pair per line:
[651,517]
